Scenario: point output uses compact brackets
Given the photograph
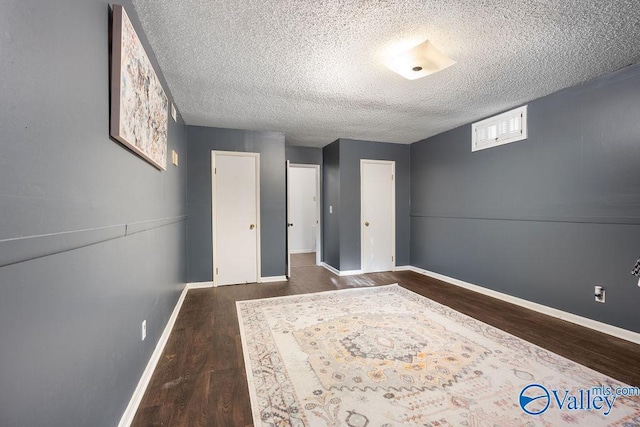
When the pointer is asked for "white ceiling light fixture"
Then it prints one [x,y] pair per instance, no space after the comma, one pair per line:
[420,61]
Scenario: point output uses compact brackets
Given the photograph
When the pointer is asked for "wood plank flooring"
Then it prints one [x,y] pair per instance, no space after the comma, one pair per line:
[201,381]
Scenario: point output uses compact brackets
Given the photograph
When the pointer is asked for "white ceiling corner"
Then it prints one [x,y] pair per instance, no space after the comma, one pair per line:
[314,69]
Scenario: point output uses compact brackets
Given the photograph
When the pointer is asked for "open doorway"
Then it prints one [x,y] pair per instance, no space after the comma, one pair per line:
[303,213]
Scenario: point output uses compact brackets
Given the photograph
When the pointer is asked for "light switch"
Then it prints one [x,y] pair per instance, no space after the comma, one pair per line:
[174,157]
[330,209]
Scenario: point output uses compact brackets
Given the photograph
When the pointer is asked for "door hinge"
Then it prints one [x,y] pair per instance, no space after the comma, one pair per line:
[391,177]
[215,171]
[392,258]
[216,270]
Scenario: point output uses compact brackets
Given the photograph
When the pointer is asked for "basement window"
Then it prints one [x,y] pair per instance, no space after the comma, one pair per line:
[501,129]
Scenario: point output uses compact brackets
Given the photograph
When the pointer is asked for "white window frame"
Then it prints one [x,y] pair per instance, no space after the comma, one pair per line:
[507,138]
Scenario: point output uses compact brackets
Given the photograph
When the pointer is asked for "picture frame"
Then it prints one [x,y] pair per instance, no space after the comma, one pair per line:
[139,105]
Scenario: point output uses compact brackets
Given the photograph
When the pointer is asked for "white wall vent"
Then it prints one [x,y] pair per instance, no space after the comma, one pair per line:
[501,129]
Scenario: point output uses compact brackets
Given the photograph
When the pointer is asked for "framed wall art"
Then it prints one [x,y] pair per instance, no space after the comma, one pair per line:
[139,106]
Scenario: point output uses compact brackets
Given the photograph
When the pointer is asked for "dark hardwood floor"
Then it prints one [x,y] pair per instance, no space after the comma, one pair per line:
[200,379]
[303,260]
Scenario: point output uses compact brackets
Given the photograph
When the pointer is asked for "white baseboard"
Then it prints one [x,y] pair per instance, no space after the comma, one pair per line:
[405,268]
[138,393]
[330,268]
[340,273]
[302,251]
[200,285]
[615,331]
[273,279]
[350,272]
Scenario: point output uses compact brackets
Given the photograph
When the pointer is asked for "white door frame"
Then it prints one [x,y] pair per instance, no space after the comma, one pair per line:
[318,211]
[393,209]
[214,208]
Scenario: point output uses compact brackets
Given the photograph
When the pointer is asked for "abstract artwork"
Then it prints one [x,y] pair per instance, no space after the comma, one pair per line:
[388,357]
[139,106]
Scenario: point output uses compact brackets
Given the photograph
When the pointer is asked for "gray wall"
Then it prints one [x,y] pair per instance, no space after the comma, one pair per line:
[304,155]
[351,152]
[331,197]
[543,219]
[342,189]
[92,237]
[270,145]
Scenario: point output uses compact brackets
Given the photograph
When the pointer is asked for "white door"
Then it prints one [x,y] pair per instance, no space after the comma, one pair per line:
[303,203]
[289,223]
[378,215]
[236,217]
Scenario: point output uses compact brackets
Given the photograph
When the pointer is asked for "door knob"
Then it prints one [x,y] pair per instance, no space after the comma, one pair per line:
[289,224]
[252,226]
[366,224]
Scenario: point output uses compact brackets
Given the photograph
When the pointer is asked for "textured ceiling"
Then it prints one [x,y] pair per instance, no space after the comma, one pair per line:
[315,69]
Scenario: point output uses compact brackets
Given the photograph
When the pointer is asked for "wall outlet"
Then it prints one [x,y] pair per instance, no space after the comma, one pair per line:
[144,329]
[174,157]
[330,209]
[599,294]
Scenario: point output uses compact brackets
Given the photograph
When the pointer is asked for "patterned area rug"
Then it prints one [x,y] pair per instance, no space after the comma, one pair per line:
[387,357]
